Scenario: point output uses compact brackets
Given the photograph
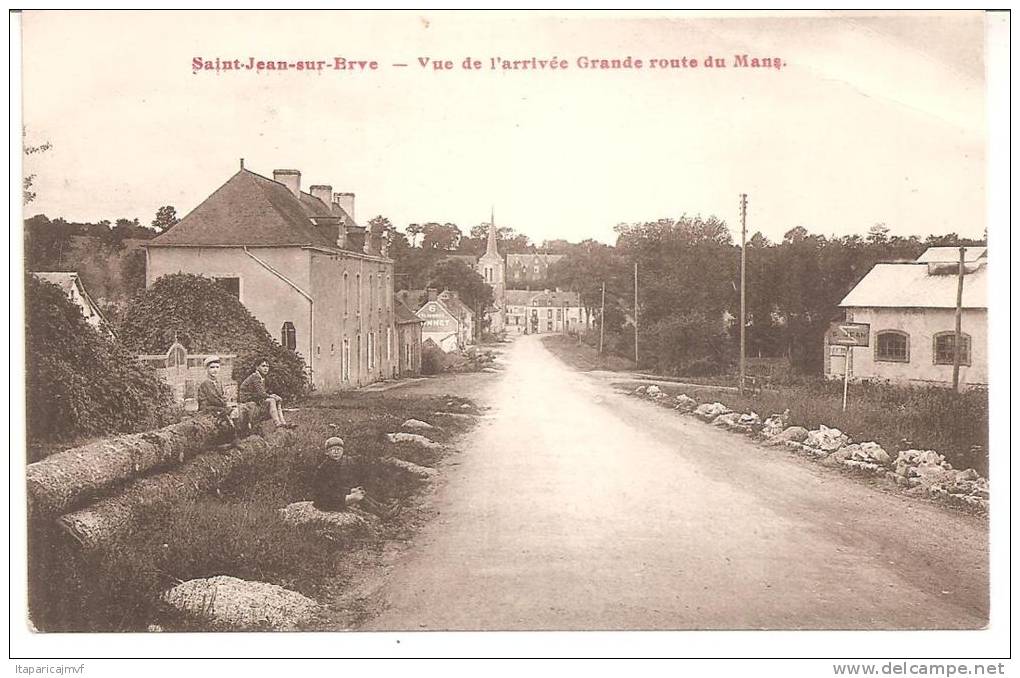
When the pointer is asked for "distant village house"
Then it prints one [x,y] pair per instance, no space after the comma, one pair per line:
[72,285]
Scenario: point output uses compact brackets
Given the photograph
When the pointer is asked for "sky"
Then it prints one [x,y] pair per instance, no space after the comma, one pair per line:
[872,118]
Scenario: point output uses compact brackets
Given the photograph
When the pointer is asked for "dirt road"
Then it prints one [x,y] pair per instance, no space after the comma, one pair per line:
[576,507]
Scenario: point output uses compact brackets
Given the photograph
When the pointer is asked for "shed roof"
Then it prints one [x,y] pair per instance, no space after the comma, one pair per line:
[65,280]
[912,285]
[952,254]
[404,315]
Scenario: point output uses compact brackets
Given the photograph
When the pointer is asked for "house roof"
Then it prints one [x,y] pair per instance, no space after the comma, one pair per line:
[543,297]
[404,315]
[531,258]
[65,280]
[952,254]
[251,210]
[918,285]
[68,281]
[454,304]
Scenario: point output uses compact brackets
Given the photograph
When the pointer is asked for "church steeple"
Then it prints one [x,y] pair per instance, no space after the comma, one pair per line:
[490,248]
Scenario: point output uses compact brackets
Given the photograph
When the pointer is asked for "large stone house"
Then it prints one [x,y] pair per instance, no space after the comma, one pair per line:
[300,264]
[911,309]
[545,311]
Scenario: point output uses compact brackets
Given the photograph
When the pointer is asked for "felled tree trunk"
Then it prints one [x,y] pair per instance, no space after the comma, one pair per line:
[68,479]
[115,516]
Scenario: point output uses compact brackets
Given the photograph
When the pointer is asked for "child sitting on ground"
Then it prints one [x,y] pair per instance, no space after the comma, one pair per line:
[334,484]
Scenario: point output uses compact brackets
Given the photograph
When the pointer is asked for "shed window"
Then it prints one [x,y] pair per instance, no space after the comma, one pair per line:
[943,348]
[892,346]
[288,336]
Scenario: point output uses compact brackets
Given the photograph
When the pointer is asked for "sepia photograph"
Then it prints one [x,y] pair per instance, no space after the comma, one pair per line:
[409,323]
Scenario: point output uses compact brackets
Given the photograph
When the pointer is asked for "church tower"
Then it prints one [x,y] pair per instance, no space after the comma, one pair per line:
[492,268]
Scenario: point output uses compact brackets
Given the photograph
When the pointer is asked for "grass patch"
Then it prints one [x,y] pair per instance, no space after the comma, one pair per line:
[239,532]
[584,357]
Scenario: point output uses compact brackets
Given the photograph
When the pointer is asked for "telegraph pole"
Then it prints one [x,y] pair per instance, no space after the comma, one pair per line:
[602,320]
[957,336]
[743,285]
[635,315]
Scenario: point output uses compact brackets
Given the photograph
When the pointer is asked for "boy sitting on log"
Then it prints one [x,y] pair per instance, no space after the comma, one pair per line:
[253,390]
[335,489]
[212,400]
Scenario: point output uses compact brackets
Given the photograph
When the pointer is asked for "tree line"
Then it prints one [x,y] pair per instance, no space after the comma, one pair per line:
[689,289]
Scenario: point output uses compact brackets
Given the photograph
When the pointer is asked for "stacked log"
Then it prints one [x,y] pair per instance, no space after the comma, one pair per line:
[114,516]
[68,479]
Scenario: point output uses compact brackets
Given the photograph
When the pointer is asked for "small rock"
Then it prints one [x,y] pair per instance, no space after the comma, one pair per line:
[827,439]
[412,468]
[709,411]
[793,434]
[728,420]
[414,438]
[305,513]
[685,403]
[417,423]
[237,603]
[640,390]
[750,419]
[653,391]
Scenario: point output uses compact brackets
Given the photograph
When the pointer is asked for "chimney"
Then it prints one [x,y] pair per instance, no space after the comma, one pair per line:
[384,243]
[289,178]
[341,234]
[368,240]
[345,200]
[323,193]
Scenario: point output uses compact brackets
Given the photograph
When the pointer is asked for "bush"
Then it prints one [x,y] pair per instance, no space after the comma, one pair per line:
[78,381]
[433,358]
[692,344]
[201,315]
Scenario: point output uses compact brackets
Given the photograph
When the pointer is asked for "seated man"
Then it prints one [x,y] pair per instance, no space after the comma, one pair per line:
[335,489]
[253,390]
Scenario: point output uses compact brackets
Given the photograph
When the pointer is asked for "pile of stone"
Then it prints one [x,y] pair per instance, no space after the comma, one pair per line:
[709,411]
[416,424]
[232,603]
[775,424]
[865,457]
[929,471]
[684,403]
[738,422]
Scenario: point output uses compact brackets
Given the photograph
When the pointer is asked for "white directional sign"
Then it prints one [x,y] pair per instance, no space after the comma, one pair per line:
[849,334]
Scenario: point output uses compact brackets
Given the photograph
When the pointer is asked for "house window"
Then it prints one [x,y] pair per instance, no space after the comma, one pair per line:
[357,281]
[389,343]
[347,294]
[371,350]
[382,291]
[345,359]
[548,313]
[231,285]
[288,336]
[892,346]
[943,348]
[371,294]
[559,314]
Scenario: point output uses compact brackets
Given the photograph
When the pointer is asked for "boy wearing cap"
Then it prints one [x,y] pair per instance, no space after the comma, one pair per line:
[210,392]
[334,485]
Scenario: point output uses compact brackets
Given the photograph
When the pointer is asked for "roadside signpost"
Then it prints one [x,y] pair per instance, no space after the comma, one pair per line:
[849,335]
